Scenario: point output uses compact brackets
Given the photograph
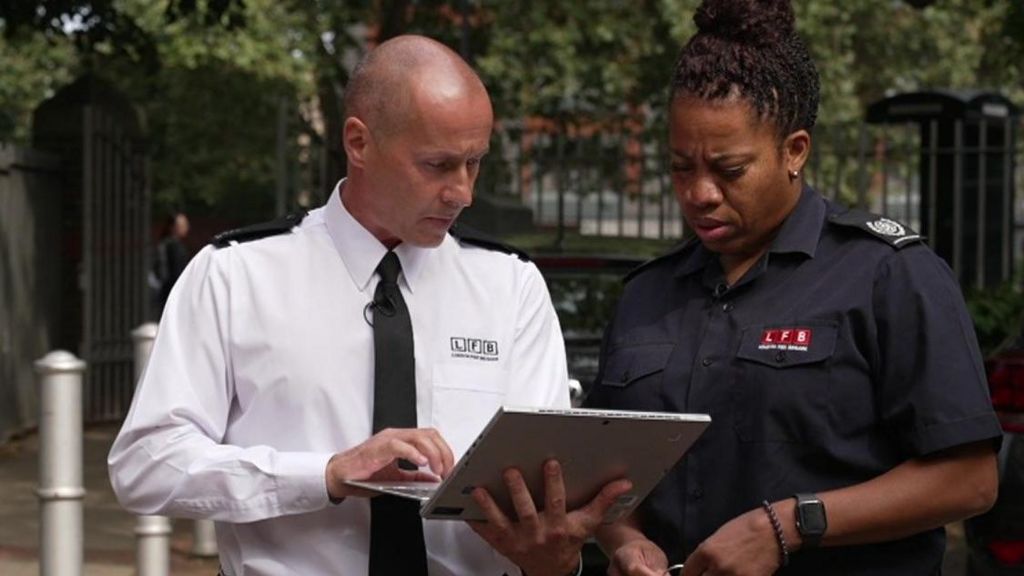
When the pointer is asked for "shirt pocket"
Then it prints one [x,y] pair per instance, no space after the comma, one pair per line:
[782,387]
[633,375]
[464,400]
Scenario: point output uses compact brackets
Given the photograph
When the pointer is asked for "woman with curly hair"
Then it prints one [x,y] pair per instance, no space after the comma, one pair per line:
[831,347]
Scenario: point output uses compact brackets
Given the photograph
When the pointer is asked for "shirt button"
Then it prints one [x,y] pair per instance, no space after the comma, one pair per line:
[727,307]
[696,493]
[706,362]
[780,356]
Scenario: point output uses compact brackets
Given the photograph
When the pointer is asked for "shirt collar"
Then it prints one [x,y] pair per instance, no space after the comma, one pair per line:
[361,251]
[697,259]
[799,233]
[801,230]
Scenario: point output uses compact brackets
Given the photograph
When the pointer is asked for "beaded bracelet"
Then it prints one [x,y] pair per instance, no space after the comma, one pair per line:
[779,536]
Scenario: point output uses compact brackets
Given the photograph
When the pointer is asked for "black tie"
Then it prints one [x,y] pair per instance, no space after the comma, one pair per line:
[396,531]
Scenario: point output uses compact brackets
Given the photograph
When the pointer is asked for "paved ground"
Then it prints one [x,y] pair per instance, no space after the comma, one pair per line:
[109,530]
[109,537]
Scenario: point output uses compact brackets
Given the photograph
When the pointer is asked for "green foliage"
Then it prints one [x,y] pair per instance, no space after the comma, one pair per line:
[212,107]
[585,302]
[576,59]
[998,315]
[102,28]
[208,75]
[30,72]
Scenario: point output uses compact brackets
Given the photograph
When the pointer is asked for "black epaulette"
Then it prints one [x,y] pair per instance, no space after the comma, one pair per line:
[470,235]
[673,252]
[257,231]
[887,230]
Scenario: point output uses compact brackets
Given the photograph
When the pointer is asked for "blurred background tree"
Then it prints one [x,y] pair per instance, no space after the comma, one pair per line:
[211,76]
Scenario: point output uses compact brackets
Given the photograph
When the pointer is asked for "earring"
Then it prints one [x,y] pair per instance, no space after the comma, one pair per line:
[794,174]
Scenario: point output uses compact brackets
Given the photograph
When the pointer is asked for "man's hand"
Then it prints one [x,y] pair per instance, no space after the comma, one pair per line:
[743,546]
[640,557]
[377,459]
[549,542]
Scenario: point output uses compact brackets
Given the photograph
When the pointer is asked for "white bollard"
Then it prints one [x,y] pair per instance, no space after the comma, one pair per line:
[204,539]
[152,533]
[60,464]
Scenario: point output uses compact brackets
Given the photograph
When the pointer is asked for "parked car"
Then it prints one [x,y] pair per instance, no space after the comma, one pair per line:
[995,540]
[584,290]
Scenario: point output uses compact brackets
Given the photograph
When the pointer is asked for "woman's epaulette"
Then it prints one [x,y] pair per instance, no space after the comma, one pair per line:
[891,232]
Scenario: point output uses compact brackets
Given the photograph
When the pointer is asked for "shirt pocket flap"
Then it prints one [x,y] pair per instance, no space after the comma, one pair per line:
[627,365]
[791,345]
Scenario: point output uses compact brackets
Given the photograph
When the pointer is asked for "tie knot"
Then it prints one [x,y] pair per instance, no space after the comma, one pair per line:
[389,268]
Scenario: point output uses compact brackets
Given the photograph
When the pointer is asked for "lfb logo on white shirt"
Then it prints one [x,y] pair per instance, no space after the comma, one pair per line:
[475,348]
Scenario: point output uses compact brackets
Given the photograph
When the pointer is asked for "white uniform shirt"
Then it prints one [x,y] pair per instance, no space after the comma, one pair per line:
[263,369]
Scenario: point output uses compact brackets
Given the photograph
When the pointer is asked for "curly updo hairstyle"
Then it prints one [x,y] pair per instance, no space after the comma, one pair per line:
[750,48]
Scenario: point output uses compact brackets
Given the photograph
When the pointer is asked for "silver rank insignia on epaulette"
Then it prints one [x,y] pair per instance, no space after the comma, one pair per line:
[889,231]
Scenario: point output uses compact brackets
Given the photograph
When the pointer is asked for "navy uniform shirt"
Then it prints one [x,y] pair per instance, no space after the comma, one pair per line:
[843,352]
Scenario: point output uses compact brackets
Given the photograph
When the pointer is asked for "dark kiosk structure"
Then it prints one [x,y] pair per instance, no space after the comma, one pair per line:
[966,175]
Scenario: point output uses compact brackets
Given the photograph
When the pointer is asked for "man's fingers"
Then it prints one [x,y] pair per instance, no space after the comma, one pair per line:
[522,501]
[495,517]
[554,490]
[447,457]
[395,448]
[429,448]
[417,476]
[433,446]
[426,445]
[486,530]
[595,510]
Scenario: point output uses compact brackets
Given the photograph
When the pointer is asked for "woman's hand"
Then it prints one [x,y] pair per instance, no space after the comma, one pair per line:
[640,557]
[743,546]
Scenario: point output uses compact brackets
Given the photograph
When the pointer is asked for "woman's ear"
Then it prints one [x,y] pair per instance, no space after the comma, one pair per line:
[795,150]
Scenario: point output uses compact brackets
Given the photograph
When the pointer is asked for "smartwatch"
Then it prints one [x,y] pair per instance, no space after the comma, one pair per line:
[811,521]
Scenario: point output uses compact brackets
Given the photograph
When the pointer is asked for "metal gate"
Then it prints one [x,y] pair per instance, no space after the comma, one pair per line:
[115,260]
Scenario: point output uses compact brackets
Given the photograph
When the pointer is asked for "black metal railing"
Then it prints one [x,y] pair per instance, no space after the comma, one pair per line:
[959,188]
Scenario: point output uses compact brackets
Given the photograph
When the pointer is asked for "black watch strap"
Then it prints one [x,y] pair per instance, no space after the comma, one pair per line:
[811,521]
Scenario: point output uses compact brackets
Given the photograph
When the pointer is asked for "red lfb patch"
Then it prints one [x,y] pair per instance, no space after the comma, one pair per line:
[793,336]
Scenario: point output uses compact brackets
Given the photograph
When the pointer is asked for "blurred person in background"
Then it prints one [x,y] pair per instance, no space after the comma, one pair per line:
[170,258]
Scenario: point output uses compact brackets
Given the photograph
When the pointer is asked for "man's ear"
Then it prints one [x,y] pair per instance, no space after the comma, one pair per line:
[795,151]
[355,138]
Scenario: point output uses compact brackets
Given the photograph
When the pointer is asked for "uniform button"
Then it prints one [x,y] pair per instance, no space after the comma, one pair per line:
[727,307]
[696,493]
[780,356]
[706,362]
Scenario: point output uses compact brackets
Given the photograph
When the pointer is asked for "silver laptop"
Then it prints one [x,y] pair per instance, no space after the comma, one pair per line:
[594,447]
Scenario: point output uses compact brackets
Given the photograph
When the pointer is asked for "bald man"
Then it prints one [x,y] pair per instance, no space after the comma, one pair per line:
[258,401]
